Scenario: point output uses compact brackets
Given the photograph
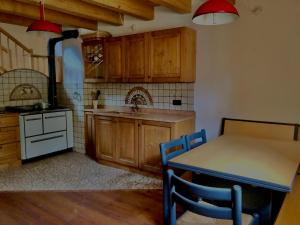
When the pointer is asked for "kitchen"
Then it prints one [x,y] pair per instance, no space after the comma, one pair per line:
[239,74]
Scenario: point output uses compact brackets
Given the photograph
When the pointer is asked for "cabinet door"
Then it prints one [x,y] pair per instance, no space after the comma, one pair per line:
[137,58]
[127,142]
[105,138]
[93,58]
[114,55]
[90,135]
[151,135]
[165,55]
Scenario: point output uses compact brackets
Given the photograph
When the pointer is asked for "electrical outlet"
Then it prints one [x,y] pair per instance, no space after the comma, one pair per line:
[177,102]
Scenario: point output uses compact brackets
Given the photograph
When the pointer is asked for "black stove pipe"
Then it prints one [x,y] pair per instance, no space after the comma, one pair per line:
[52,96]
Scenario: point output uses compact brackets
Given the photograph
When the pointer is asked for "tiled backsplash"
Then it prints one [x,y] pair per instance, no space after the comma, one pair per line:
[162,94]
[11,79]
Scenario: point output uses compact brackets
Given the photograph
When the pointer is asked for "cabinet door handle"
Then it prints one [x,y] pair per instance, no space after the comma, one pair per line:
[46,139]
[32,119]
[52,117]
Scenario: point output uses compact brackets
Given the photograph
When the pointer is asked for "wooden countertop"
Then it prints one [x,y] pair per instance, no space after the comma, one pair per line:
[170,116]
[4,114]
[290,211]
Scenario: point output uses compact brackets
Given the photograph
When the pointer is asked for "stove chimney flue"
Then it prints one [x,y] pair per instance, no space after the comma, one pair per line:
[52,95]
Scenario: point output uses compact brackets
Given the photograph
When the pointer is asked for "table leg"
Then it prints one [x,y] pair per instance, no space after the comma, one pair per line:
[266,212]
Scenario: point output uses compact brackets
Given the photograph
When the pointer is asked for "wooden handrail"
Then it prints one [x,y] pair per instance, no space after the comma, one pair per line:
[18,56]
[39,56]
[9,36]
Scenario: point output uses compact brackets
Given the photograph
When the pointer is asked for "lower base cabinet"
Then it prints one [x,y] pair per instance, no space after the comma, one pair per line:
[105,138]
[132,142]
[10,152]
[90,135]
[151,135]
[127,142]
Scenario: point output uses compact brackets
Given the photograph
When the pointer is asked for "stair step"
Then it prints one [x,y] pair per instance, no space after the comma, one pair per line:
[4,49]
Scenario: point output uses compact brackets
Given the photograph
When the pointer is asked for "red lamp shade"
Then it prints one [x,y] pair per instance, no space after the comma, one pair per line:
[215,12]
[44,25]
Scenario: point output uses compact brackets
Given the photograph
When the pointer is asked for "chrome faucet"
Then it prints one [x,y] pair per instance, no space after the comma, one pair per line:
[135,107]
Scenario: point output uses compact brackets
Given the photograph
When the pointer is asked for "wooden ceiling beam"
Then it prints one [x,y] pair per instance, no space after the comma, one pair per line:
[14,19]
[82,9]
[136,8]
[181,6]
[32,12]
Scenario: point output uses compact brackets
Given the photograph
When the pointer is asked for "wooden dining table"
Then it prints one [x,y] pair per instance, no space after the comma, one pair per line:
[266,163]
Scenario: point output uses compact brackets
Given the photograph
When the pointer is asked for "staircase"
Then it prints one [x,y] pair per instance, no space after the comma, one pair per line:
[14,55]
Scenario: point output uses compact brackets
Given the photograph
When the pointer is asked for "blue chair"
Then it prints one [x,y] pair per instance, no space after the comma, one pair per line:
[196,139]
[200,212]
[168,151]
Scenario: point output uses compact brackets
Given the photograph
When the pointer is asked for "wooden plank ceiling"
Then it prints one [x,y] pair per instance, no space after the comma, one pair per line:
[85,13]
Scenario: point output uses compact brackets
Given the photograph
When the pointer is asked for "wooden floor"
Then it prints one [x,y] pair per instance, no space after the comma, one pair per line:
[81,208]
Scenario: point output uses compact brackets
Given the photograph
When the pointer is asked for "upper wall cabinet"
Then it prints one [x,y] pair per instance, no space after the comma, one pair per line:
[114,56]
[93,56]
[137,58]
[159,56]
[172,55]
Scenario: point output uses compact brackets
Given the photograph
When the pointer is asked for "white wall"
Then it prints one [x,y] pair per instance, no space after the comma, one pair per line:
[249,69]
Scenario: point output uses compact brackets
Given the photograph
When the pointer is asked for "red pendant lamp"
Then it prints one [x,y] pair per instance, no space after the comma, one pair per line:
[215,12]
[44,25]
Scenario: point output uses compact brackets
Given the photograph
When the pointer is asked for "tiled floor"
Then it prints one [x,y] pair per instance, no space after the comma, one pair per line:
[72,171]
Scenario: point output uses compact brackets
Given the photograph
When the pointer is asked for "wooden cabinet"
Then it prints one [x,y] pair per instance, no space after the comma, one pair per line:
[151,135]
[132,142]
[165,55]
[137,58]
[93,56]
[116,140]
[10,153]
[158,56]
[105,138]
[90,135]
[127,142]
[173,55]
[114,56]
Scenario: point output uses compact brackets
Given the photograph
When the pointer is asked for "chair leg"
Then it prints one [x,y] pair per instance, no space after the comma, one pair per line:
[165,200]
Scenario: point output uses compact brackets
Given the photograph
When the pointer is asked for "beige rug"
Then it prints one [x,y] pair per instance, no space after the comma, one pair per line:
[72,171]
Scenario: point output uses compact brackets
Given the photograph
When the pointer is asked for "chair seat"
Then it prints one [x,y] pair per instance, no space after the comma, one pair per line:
[190,218]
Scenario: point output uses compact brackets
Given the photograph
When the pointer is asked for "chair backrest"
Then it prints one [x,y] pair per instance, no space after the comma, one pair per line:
[178,188]
[196,139]
[172,149]
[259,129]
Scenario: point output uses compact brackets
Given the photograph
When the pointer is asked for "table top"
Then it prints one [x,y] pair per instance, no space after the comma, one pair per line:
[265,163]
[290,210]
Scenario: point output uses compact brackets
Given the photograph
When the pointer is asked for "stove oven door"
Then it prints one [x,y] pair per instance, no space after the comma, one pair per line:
[54,122]
[33,125]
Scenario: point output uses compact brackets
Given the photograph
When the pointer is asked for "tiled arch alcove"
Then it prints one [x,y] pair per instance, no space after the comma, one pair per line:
[12,79]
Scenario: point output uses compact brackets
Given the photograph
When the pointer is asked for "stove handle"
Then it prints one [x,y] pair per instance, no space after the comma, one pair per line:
[32,119]
[51,117]
[46,139]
